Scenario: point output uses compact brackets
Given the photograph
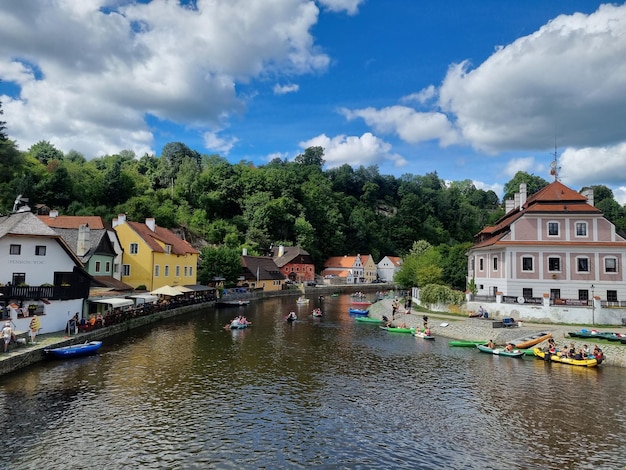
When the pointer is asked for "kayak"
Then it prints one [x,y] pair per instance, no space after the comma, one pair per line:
[531,340]
[421,334]
[591,362]
[465,343]
[358,311]
[393,329]
[363,319]
[74,350]
[500,352]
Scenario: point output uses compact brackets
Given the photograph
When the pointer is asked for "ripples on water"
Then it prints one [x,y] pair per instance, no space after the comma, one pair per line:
[315,394]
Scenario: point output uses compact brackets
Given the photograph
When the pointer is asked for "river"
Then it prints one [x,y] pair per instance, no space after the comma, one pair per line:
[329,393]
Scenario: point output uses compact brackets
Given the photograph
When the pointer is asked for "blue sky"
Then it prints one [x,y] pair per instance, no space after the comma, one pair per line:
[471,90]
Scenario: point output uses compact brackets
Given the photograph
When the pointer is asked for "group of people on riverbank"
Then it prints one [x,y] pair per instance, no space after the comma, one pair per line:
[571,352]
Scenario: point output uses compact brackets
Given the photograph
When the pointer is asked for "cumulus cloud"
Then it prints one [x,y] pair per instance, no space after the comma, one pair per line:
[567,80]
[365,150]
[588,166]
[214,142]
[410,125]
[89,73]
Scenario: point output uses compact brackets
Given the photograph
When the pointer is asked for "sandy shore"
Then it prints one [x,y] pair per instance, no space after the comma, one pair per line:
[460,328]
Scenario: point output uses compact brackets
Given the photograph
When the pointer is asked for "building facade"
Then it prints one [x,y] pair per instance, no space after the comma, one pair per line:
[154,256]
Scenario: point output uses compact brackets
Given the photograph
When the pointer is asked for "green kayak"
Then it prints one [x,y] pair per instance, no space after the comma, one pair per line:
[398,330]
[466,343]
[363,319]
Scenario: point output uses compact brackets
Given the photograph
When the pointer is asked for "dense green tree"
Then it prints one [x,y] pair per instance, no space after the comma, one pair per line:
[219,262]
[533,184]
[311,156]
[45,152]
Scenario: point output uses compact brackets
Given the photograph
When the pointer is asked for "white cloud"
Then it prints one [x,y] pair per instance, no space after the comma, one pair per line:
[514,165]
[589,166]
[421,97]
[411,126]
[218,144]
[88,78]
[565,81]
[496,187]
[284,89]
[349,6]
[355,151]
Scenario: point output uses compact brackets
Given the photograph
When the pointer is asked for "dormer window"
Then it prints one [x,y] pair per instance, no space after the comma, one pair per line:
[168,249]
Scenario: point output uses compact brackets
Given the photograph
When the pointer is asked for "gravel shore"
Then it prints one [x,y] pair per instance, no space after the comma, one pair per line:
[460,328]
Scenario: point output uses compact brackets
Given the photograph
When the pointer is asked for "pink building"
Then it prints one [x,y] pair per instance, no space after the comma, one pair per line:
[555,243]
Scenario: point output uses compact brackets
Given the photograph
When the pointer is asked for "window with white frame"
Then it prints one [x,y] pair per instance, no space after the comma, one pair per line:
[177,270]
[553,229]
[190,270]
[168,249]
[554,264]
[107,267]
[610,264]
[581,229]
[611,295]
[480,264]
[157,270]
[495,263]
[582,264]
[98,266]
[126,270]
[166,273]
[527,263]
[134,248]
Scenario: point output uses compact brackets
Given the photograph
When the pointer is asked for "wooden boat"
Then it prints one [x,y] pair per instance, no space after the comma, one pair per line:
[500,351]
[395,329]
[423,335]
[366,319]
[465,343]
[591,362]
[358,311]
[75,350]
[527,342]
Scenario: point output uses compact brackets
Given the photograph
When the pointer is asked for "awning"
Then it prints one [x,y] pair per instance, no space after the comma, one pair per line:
[183,289]
[114,301]
[143,298]
[166,290]
[199,287]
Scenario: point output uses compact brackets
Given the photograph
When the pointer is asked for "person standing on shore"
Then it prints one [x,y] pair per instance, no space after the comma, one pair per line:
[7,334]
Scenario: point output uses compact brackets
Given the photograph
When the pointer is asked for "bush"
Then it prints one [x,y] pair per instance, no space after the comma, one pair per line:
[439,294]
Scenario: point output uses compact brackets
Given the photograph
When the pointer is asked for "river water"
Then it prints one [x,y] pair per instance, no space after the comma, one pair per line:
[329,393]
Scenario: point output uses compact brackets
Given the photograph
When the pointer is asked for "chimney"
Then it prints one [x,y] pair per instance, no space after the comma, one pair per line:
[588,193]
[509,205]
[151,223]
[281,250]
[53,214]
[119,220]
[516,203]
[522,194]
[82,247]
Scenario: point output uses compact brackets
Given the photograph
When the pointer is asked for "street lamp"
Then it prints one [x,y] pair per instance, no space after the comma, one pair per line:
[593,307]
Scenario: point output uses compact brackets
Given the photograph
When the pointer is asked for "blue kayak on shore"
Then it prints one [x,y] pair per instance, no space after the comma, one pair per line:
[75,350]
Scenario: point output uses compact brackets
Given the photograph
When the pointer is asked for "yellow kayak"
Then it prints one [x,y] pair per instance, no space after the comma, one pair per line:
[592,362]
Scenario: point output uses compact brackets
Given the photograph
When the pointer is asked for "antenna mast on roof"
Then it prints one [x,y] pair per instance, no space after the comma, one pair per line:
[554,169]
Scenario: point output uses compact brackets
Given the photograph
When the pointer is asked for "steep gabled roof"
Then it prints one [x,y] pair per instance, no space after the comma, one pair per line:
[261,266]
[164,236]
[72,221]
[99,242]
[396,260]
[555,198]
[340,262]
[290,253]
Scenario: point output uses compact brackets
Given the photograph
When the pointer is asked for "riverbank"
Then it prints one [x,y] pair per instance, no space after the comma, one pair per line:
[456,327]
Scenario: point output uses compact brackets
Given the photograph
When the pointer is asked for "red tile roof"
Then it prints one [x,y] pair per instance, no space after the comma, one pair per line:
[72,221]
[164,236]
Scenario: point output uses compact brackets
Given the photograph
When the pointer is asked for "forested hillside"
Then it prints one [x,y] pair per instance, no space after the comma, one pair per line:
[331,212]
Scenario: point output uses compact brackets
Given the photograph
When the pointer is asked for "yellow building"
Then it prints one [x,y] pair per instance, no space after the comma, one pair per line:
[154,256]
[370,269]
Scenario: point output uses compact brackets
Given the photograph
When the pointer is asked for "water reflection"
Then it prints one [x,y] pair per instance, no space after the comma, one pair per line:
[314,393]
